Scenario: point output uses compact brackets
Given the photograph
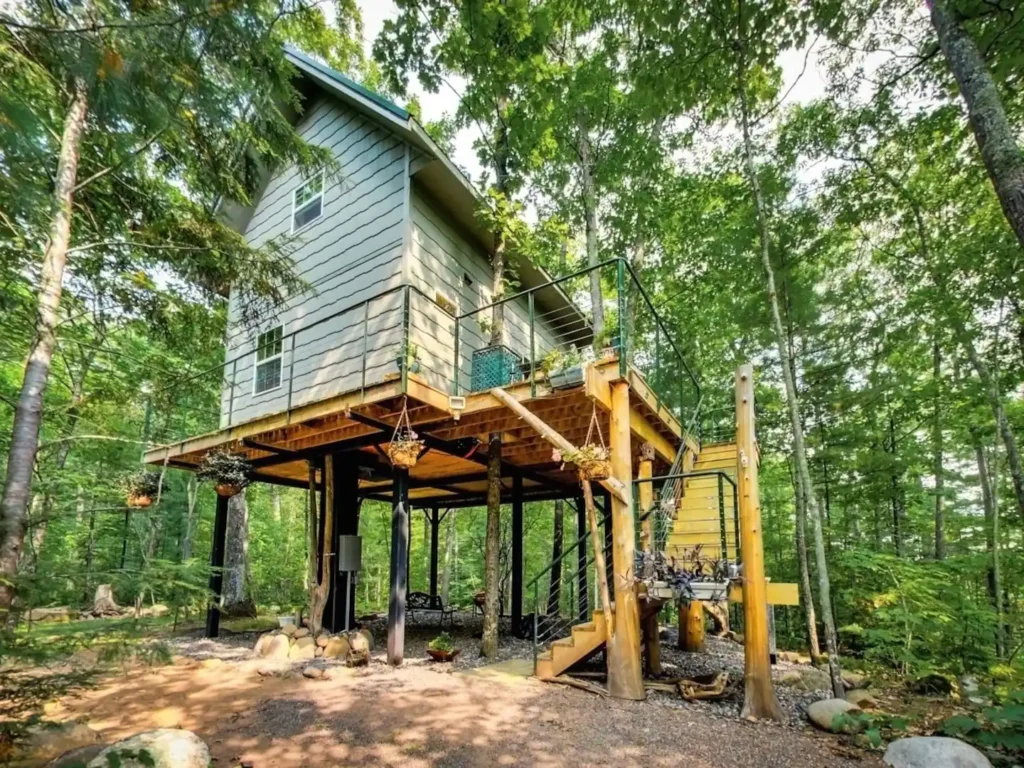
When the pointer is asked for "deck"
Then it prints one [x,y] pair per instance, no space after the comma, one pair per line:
[452,471]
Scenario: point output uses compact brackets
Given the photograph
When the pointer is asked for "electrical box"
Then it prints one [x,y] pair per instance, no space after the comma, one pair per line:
[350,553]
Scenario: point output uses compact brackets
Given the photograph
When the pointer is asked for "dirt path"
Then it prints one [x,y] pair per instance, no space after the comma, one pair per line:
[419,716]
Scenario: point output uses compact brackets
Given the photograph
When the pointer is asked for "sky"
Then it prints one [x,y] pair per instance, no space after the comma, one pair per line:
[804,80]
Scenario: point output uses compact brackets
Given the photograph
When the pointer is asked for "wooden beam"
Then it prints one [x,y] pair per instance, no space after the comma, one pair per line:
[597,388]
[776,593]
[613,484]
[759,696]
[646,494]
[625,675]
[600,568]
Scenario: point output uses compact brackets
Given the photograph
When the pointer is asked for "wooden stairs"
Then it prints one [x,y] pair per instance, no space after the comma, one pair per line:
[698,520]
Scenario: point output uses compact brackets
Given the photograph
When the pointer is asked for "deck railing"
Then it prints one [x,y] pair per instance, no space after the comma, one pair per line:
[403,330]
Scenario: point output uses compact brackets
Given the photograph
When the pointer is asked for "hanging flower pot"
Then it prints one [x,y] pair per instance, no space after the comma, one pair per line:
[228,472]
[592,461]
[140,488]
[405,446]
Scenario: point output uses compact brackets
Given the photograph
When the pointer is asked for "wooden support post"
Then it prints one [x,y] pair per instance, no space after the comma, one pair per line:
[625,675]
[599,560]
[652,643]
[220,530]
[517,556]
[399,567]
[691,626]
[435,524]
[759,696]
[583,589]
[646,493]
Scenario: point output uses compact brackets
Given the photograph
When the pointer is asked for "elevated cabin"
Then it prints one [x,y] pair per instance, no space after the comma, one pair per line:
[395,326]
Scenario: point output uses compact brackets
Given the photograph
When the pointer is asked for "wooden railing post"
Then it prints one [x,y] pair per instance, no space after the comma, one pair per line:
[645,490]
[759,697]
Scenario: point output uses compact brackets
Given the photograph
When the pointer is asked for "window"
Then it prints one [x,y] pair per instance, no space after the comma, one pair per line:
[308,203]
[268,360]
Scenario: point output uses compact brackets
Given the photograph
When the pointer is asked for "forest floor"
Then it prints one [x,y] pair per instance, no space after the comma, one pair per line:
[424,714]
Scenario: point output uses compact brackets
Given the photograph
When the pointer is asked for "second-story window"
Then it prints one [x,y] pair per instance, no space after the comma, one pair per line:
[268,360]
[308,202]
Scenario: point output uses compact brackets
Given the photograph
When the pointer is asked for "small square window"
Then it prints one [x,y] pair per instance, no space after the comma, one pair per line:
[269,346]
[308,203]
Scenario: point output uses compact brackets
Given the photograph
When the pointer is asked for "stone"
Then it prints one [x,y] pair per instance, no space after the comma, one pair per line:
[368,635]
[165,748]
[49,614]
[862,699]
[289,630]
[971,690]
[321,639]
[806,679]
[277,648]
[337,647]
[932,685]
[823,714]
[46,742]
[211,663]
[933,752]
[76,758]
[313,673]
[792,657]
[854,679]
[302,632]
[303,648]
[358,643]
[318,652]
[274,669]
[262,643]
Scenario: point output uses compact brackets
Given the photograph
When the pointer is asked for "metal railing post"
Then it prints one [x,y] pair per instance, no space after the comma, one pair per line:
[721,517]
[623,331]
[533,350]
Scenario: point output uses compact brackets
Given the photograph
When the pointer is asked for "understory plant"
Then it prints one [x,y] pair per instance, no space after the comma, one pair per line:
[999,728]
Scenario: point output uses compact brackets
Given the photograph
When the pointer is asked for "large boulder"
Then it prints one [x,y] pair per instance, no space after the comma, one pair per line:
[824,713]
[162,748]
[806,679]
[289,629]
[854,679]
[303,648]
[934,752]
[277,648]
[337,647]
[368,636]
[46,742]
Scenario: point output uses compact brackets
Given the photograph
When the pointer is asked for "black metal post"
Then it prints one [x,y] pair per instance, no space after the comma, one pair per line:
[345,523]
[399,566]
[583,596]
[435,524]
[606,514]
[517,555]
[220,530]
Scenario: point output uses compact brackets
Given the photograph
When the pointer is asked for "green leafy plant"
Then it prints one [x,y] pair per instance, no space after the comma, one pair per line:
[442,642]
[999,728]
[556,361]
[223,468]
[141,483]
[877,727]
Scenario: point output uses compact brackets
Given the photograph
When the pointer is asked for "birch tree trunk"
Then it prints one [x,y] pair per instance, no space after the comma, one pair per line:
[805,570]
[937,455]
[236,559]
[555,580]
[799,450]
[993,133]
[449,557]
[28,412]
[191,496]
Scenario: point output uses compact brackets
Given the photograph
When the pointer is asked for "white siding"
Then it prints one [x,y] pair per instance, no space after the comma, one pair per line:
[350,255]
[440,257]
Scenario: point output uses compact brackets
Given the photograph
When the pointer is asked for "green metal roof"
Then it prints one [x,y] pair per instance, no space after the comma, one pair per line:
[347,82]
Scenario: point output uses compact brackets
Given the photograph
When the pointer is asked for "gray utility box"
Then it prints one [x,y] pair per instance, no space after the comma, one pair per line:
[350,553]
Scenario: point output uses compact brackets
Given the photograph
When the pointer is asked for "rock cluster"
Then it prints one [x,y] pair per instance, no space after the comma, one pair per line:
[296,643]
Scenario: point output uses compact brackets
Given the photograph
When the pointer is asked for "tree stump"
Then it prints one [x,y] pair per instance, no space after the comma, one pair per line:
[691,626]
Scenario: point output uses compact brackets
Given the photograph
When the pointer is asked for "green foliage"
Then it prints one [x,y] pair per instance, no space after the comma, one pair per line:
[999,728]
[223,467]
[442,642]
[142,483]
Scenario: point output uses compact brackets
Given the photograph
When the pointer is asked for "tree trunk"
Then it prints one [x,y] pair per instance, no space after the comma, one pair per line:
[449,556]
[555,582]
[319,574]
[996,138]
[492,546]
[236,560]
[937,454]
[590,218]
[995,400]
[799,450]
[805,570]
[21,455]
[191,496]
[991,538]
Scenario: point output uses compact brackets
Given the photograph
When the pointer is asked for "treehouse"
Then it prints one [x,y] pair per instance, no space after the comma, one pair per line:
[387,380]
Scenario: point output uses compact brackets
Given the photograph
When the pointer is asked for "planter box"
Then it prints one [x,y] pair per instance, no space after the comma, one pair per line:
[496,366]
[567,379]
[437,655]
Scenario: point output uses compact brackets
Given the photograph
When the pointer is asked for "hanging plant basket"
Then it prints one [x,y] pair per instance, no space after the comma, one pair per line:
[228,472]
[405,453]
[592,461]
[405,446]
[140,488]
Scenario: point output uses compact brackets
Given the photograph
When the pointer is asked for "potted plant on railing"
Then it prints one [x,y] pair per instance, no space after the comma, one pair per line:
[140,488]
[564,370]
[442,648]
[608,343]
[228,472]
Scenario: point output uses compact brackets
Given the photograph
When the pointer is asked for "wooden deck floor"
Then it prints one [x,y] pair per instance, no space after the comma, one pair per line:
[454,469]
